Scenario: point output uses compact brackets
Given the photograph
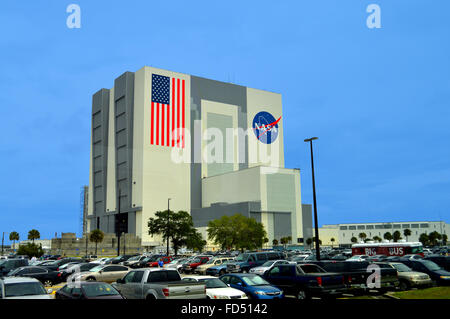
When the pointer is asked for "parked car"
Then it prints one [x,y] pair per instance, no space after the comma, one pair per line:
[219,270]
[105,273]
[438,275]
[46,276]
[121,258]
[409,278]
[158,283]
[216,261]
[441,261]
[133,260]
[144,262]
[216,288]
[65,273]
[7,265]
[175,264]
[88,290]
[306,280]
[358,258]
[60,262]
[22,288]
[155,263]
[267,265]
[411,257]
[244,262]
[191,265]
[253,285]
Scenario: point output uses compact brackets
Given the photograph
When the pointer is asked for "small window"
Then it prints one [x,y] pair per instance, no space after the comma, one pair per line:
[351,227]
[397,226]
[361,227]
[387,226]
[414,225]
[343,228]
[157,276]
[379,227]
[406,226]
[369,226]
[138,276]
[424,225]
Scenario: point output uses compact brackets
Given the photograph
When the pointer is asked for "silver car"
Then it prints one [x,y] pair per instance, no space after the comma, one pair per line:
[267,265]
[23,288]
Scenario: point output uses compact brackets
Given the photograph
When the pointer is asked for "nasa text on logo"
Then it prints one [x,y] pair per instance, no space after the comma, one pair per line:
[265,127]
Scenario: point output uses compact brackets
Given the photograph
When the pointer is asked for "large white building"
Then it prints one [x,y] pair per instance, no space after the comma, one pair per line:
[213,148]
[343,233]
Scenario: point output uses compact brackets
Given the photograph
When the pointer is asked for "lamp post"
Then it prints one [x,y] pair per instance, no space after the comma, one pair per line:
[316,227]
[168,225]
[3,239]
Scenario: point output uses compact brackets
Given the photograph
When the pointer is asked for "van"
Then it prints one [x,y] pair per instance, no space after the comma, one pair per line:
[244,262]
[6,265]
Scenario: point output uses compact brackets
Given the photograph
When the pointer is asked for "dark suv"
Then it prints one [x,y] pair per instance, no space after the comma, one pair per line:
[7,265]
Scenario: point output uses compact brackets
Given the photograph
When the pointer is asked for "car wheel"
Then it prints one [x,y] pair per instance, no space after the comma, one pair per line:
[150,297]
[48,283]
[91,279]
[404,285]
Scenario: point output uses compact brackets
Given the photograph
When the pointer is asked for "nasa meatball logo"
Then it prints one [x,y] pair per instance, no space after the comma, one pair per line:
[265,127]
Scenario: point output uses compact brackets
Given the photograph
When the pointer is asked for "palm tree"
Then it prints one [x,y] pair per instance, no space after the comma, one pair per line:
[14,236]
[289,239]
[362,236]
[33,234]
[354,239]
[332,241]
[376,238]
[96,236]
[284,241]
[275,242]
[407,232]
[309,242]
[444,239]
[424,239]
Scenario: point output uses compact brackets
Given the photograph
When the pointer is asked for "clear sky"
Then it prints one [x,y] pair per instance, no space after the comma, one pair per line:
[378,99]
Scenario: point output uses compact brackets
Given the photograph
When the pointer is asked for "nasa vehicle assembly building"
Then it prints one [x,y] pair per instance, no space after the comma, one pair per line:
[213,148]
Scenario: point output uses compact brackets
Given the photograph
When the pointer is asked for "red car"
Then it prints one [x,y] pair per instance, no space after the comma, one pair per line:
[165,260]
[191,266]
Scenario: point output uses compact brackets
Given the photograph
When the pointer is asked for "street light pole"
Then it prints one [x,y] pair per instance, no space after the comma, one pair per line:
[3,239]
[168,225]
[316,226]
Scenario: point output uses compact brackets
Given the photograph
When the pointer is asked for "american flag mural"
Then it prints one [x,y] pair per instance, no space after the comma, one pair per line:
[168,111]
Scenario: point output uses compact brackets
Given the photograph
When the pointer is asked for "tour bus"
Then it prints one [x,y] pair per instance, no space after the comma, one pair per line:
[388,249]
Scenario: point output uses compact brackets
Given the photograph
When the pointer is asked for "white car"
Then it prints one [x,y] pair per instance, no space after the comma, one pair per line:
[216,288]
[100,261]
[358,258]
[267,265]
[23,288]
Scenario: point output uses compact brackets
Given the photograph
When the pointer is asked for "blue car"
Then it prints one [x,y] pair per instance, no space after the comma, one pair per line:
[253,285]
[217,270]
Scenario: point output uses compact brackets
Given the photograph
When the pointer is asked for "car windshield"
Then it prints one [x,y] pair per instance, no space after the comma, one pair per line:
[99,289]
[24,289]
[97,268]
[14,271]
[267,264]
[254,281]
[214,283]
[211,261]
[431,265]
[242,257]
[3,261]
[402,267]
[196,260]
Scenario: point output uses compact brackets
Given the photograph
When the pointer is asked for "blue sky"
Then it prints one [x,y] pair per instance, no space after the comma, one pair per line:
[378,99]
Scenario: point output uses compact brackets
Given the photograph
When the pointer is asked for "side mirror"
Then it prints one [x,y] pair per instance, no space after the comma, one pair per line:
[120,281]
[49,291]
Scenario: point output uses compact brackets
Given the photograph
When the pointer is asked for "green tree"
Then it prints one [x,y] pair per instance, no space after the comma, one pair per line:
[444,239]
[397,236]
[354,239]
[406,233]
[96,236]
[314,242]
[31,250]
[14,236]
[237,231]
[284,241]
[275,242]
[332,241]
[194,241]
[424,239]
[362,236]
[179,227]
[309,242]
[377,238]
[387,236]
[434,237]
[33,234]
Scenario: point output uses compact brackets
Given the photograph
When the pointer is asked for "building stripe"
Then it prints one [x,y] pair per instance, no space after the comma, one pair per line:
[173,112]
[157,124]
[182,119]
[178,112]
[152,124]
[163,106]
[168,126]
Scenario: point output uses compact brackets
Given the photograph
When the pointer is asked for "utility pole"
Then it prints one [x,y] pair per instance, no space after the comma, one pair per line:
[314,198]
[3,239]
[118,228]
[168,225]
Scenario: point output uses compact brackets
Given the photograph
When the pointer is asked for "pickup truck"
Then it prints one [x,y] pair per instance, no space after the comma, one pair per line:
[305,281]
[158,283]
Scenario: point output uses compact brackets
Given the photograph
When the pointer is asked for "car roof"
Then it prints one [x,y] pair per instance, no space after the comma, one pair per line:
[200,277]
[9,280]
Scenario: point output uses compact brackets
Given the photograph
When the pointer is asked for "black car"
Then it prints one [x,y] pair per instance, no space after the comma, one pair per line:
[88,290]
[58,263]
[439,275]
[46,276]
[441,261]
[121,258]
[143,263]
[81,267]
[7,265]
